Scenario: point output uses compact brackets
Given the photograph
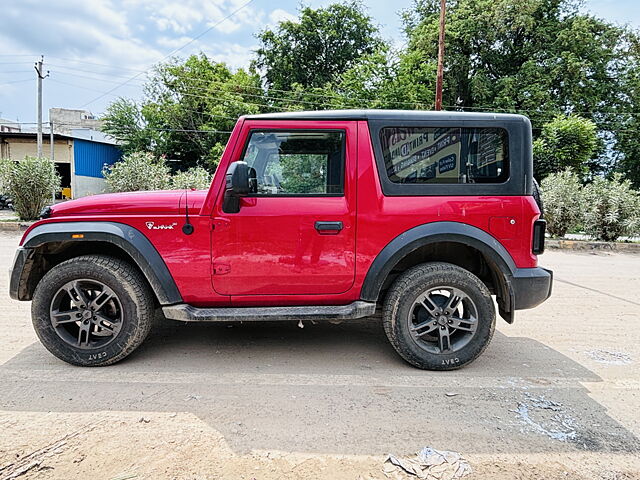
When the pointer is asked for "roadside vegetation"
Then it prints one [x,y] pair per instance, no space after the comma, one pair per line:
[142,171]
[605,209]
[30,183]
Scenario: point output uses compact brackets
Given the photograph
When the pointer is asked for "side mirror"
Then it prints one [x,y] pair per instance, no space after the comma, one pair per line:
[240,181]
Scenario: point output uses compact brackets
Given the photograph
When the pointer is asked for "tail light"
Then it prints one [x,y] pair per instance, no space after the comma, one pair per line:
[539,228]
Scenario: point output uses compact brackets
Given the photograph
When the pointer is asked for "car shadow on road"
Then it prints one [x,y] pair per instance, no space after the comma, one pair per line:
[331,388]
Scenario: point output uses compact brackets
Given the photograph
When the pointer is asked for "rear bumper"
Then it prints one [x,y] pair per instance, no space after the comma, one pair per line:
[531,286]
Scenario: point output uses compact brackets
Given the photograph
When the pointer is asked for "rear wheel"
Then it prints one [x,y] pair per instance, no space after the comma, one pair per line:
[92,310]
[439,316]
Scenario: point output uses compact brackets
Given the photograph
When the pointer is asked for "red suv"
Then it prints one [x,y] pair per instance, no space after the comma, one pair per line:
[311,215]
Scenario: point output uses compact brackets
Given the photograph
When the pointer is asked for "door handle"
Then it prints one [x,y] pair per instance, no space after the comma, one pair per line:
[328,228]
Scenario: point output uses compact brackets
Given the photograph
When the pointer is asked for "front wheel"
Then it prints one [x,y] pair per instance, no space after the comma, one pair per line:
[92,310]
[439,316]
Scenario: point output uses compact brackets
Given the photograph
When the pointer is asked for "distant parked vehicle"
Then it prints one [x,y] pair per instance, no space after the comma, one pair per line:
[6,202]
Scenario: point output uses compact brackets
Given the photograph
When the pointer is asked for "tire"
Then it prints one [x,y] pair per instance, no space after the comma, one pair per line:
[410,326]
[537,196]
[116,318]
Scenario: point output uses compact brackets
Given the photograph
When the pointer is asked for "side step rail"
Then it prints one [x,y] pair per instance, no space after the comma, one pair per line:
[189,313]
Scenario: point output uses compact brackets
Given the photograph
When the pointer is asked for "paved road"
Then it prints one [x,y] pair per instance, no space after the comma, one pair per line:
[562,383]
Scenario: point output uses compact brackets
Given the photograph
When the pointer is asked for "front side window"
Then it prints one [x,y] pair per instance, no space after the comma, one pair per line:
[309,162]
[445,155]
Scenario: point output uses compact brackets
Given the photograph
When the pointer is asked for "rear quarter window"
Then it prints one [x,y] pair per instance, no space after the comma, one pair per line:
[445,155]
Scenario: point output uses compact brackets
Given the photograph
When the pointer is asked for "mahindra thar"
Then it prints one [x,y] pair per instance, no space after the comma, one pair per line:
[425,216]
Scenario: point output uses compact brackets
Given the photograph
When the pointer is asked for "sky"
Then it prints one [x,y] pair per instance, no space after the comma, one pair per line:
[98,50]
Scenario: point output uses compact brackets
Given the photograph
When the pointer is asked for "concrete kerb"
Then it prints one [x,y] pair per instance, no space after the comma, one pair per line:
[15,226]
[588,245]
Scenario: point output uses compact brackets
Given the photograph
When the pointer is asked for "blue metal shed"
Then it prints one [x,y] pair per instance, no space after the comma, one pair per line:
[90,157]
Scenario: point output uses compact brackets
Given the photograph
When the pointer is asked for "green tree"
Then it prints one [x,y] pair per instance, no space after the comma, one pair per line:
[627,121]
[385,79]
[125,122]
[195,104]
[538,57]
[565,142]
[317,48]
[187,113]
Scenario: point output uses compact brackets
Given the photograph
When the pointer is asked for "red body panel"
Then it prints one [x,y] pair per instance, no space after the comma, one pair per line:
[270,253]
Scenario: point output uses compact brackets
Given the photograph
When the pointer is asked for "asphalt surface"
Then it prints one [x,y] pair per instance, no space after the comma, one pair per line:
[563,379]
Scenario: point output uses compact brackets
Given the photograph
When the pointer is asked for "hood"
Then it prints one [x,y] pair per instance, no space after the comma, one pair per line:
[158,202]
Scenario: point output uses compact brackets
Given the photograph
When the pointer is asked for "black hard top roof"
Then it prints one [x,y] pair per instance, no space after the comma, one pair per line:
[387,115]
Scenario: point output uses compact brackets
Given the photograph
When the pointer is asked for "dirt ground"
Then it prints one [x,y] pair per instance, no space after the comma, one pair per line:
[556,395]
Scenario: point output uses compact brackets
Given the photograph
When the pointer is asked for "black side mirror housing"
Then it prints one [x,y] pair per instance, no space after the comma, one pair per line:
[240,181]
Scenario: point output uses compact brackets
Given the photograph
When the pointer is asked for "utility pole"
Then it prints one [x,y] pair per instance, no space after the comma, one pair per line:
[443,5]
[41,76]
[51,144]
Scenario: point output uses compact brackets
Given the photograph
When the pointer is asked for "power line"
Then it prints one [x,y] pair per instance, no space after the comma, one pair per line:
[172,53]
[88,77]
[96,64]
[103,74]
[74,85]
[344,97]
[17,81]
[15,71]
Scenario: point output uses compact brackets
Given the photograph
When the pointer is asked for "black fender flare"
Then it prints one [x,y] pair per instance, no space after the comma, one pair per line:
[129,239]
[430,233]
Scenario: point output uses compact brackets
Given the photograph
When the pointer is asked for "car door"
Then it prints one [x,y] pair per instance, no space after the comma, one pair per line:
[296,234]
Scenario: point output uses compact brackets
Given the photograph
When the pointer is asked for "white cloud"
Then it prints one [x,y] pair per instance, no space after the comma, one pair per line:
[233,54]
[279,15]
[123,37]
[173,42]
[178,17]
[186,16]
[225,26]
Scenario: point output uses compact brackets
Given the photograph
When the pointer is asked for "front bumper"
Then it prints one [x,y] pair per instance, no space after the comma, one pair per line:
[16,273]
[530,287]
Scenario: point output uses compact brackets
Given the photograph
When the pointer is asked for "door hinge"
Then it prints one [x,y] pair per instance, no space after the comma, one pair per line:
[221,268]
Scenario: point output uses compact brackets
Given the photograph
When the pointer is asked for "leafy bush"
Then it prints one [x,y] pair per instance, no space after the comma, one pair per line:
[611,208]
[30,182]
[137,171]
[562,195]
[197,177]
